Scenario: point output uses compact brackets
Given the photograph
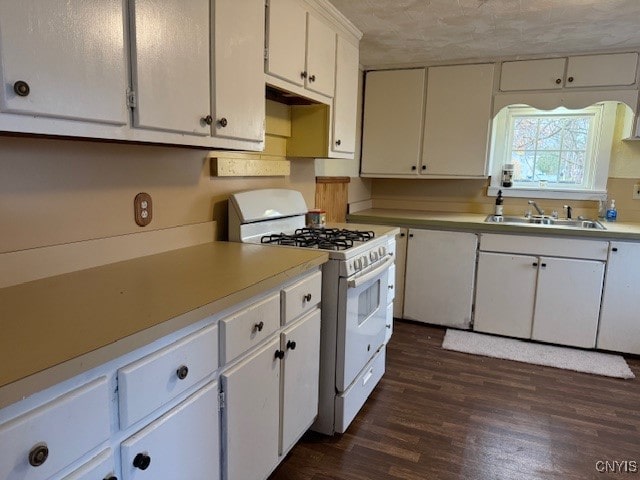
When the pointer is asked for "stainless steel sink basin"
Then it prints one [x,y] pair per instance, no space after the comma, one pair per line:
[544,220]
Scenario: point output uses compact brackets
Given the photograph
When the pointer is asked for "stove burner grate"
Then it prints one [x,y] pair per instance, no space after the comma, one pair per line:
[322,238]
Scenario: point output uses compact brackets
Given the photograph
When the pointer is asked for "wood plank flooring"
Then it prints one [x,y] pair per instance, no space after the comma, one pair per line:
[438,414]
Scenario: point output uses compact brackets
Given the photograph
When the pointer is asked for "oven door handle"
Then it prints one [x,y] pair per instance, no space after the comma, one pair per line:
[356,282]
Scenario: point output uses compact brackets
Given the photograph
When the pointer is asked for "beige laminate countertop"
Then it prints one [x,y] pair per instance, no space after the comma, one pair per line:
[47,322]
[475,222]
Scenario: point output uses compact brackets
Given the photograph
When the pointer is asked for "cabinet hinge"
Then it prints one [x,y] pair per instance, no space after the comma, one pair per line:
[266,3]
[221,401]
[131,99]
[266,54]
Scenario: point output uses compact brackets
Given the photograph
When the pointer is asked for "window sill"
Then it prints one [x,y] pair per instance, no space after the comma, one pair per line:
[547,193]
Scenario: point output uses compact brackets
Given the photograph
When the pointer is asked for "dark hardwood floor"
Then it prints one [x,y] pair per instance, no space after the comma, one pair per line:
[438,414]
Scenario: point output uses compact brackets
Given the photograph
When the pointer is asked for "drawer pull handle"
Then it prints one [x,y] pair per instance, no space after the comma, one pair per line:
[38,454]
[258,327]
[279,354]
[182,372]
[291,345]
[142,461]
[307,297]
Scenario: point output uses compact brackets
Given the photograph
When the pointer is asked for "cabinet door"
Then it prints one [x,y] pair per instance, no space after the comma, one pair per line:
[238,77]
[170,65]
[392,123]
[620,319]
[505,294]
[401,262]
[457,119]
[183,443]
[602,70]
[301,373]
[321,57]
[568,301]
[251,417]
[544,74]
[71,55]
[440,277]
[99,467]
[345,101]
[286,40]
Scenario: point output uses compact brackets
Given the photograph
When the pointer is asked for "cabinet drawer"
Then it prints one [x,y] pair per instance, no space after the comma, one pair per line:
[62,430]
[301,297]
[249,327]
[155,379]
[547,246]
[98,468]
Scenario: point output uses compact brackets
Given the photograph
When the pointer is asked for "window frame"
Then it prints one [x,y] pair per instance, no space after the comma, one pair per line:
[601,139]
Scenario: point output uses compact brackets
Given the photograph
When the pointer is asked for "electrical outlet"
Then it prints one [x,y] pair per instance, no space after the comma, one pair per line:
[142,209]
[636,191]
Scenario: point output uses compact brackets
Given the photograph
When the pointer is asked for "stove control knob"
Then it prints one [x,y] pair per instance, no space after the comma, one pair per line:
[382,251]
[373,256]
[365,261]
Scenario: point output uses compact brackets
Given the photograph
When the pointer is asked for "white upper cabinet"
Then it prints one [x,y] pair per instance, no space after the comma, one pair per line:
[321,57]
[238,109]
[170,65]
[286,41]
[617,69]
[457,120]
[64,59]
[345,101]
[602,70]
[301,47]
[392,124]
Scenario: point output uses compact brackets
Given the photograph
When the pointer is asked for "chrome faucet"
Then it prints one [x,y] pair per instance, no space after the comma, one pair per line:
[535,205]
[568,209]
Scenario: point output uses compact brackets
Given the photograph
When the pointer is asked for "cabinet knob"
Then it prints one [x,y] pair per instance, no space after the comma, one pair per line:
[21,88]
[390,287]
[182,372]
[402,234]
[424,167]
[307,297]
[291,345]
[411,235]
[303,74]
[543,265]
[570,79]
[413,167]
[142,461]
[38,454]
[208,120]
[223,122]
[110,477]
[338,142]
[534,264]
[614,249]
[258,327]
[279,354]
[389,327]
[558,81]
[312,78]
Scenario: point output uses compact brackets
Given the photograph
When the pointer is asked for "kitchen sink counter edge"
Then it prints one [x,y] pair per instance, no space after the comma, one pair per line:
[57,327]
[475,222]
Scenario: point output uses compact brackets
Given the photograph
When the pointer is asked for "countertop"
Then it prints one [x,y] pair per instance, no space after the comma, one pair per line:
[475,222]
[47,322]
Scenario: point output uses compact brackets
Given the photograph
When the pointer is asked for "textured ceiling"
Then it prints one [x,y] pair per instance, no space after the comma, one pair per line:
[432,31]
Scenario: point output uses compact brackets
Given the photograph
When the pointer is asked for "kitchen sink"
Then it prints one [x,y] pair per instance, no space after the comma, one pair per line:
[545,220]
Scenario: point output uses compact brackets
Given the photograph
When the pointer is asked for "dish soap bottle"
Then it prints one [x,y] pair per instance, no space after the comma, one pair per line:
[499,202]
[612,212]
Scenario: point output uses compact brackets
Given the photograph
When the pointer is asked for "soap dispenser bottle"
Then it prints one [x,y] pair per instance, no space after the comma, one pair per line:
[499,204]
[612,212]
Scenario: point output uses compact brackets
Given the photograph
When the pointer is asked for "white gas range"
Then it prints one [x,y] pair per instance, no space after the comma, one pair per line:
[357,294]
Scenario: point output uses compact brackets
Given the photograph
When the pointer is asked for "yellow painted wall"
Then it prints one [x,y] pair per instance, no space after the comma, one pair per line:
[58,191]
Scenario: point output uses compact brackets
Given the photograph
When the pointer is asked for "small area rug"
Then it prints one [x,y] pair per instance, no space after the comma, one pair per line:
[548,355]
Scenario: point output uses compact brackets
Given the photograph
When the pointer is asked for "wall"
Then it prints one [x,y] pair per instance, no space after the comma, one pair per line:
[56,191]
[470,195]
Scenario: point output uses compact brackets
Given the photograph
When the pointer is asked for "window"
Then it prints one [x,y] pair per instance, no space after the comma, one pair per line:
[558,153]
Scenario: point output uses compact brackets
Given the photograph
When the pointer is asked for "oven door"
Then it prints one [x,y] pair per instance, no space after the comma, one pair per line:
[362,311]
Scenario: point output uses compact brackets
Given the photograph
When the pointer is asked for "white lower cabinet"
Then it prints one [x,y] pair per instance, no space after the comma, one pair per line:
[545,298]
[620,317]
[100,467]
[301,344]
[505,294]
[251,415]
[440,277]
[183,443]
